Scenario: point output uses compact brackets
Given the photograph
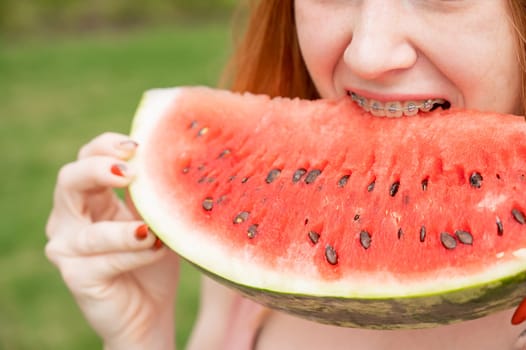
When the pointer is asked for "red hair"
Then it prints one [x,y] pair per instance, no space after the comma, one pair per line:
[518,16]
[268,58]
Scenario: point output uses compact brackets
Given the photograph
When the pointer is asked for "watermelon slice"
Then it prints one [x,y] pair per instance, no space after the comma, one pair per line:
[324,211]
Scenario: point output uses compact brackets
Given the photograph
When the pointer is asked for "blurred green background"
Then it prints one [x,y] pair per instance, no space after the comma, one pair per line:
[70,70]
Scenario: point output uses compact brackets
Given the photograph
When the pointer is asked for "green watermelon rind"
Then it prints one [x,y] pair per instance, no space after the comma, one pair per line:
[410,312]
[359,301]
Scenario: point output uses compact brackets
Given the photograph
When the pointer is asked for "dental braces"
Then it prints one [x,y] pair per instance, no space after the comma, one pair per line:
[392,108]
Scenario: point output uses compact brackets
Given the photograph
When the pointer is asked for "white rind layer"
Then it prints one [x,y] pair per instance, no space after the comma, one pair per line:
[179,233]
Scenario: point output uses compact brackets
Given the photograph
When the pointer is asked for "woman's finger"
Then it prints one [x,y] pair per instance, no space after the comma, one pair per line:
[83,187]
[109,144]
[109,237]
[116,241]
[81,274]
[94,173]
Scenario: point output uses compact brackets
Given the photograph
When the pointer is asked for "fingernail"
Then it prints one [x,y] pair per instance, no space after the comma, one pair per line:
[118,169]
[519,315]
[127,145]
[158,244]
[142,232]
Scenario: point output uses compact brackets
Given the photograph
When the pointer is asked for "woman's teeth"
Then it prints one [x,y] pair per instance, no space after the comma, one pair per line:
[395,109]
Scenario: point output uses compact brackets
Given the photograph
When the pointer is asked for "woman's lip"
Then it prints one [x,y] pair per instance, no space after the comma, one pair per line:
[394,96]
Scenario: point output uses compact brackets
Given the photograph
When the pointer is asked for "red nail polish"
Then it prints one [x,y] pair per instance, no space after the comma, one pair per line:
[127,145]
[142,232]
[519,315]
[118,169]
[158,244]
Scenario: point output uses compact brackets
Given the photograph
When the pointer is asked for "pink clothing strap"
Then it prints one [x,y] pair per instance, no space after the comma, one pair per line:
[246,320]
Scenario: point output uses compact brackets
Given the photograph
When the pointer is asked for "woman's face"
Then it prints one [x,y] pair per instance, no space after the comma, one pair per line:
[393,55]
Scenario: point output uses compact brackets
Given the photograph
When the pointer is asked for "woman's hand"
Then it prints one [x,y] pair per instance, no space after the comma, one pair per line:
[120,274]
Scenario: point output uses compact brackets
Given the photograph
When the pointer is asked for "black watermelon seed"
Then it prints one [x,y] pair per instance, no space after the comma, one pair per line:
[394,188]
[306,221]
[272,175]
[400,233]
[500,228]
[312,176]
[425,182]
[475,180]
[252,231]
[241,217]
[331,255]
[370,188]
[208,203]
[298,174]
[448,241]
[356,217]
[422,234]
[365,239]
[224,153]
[518,216]
[203,131]
[343,180]
[314,236]
[464,237]
[243,180]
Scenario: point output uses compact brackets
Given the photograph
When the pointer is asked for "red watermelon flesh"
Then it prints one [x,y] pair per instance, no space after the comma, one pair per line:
[321,202]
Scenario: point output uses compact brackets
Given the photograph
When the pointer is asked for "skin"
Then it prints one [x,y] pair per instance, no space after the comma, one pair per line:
[397,50]
[460,50]
[123,285]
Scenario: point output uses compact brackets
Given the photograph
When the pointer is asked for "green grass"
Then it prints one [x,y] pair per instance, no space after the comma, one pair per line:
[56,94]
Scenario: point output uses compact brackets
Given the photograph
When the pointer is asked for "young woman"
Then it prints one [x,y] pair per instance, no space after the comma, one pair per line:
[461,53]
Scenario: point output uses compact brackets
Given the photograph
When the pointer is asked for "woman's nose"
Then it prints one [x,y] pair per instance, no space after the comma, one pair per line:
[381,41]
